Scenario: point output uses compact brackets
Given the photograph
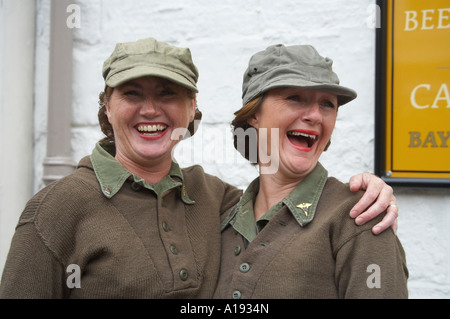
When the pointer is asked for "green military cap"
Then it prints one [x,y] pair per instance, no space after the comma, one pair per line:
[149,57]
[292,66]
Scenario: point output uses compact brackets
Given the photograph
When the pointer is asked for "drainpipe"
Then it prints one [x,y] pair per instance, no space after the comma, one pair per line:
[58,162]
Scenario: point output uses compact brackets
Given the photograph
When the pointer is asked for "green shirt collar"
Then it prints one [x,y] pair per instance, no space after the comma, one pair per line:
[301,202]
[112,175]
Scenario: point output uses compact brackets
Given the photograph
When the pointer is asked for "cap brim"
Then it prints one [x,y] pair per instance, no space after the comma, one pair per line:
[343,93]
[141,71]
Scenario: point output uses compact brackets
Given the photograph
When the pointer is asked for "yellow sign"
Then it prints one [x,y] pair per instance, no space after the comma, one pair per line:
[417,89]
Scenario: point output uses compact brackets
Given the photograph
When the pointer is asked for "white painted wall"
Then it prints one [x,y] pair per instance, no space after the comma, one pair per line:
[222,36]
[17,21]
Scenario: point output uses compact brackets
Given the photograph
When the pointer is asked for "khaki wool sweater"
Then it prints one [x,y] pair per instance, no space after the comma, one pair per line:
[73,242]
[328,256]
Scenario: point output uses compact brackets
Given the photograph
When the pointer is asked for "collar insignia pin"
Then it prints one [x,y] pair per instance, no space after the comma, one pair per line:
[304,207]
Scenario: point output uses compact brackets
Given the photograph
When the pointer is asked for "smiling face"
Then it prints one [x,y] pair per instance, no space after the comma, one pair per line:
[144,113]
[305,120]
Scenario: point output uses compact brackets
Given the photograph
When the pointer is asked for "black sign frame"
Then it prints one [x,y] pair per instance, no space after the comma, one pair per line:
[381,108]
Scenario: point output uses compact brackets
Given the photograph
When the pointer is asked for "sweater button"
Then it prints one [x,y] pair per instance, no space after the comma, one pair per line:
[244,267]
[237,250]
[136,186]
[174,250]
[165,227]
[236,294]
[184,274]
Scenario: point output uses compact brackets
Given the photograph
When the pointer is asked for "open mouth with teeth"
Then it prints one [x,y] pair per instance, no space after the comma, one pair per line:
[301,140]
[151,130]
